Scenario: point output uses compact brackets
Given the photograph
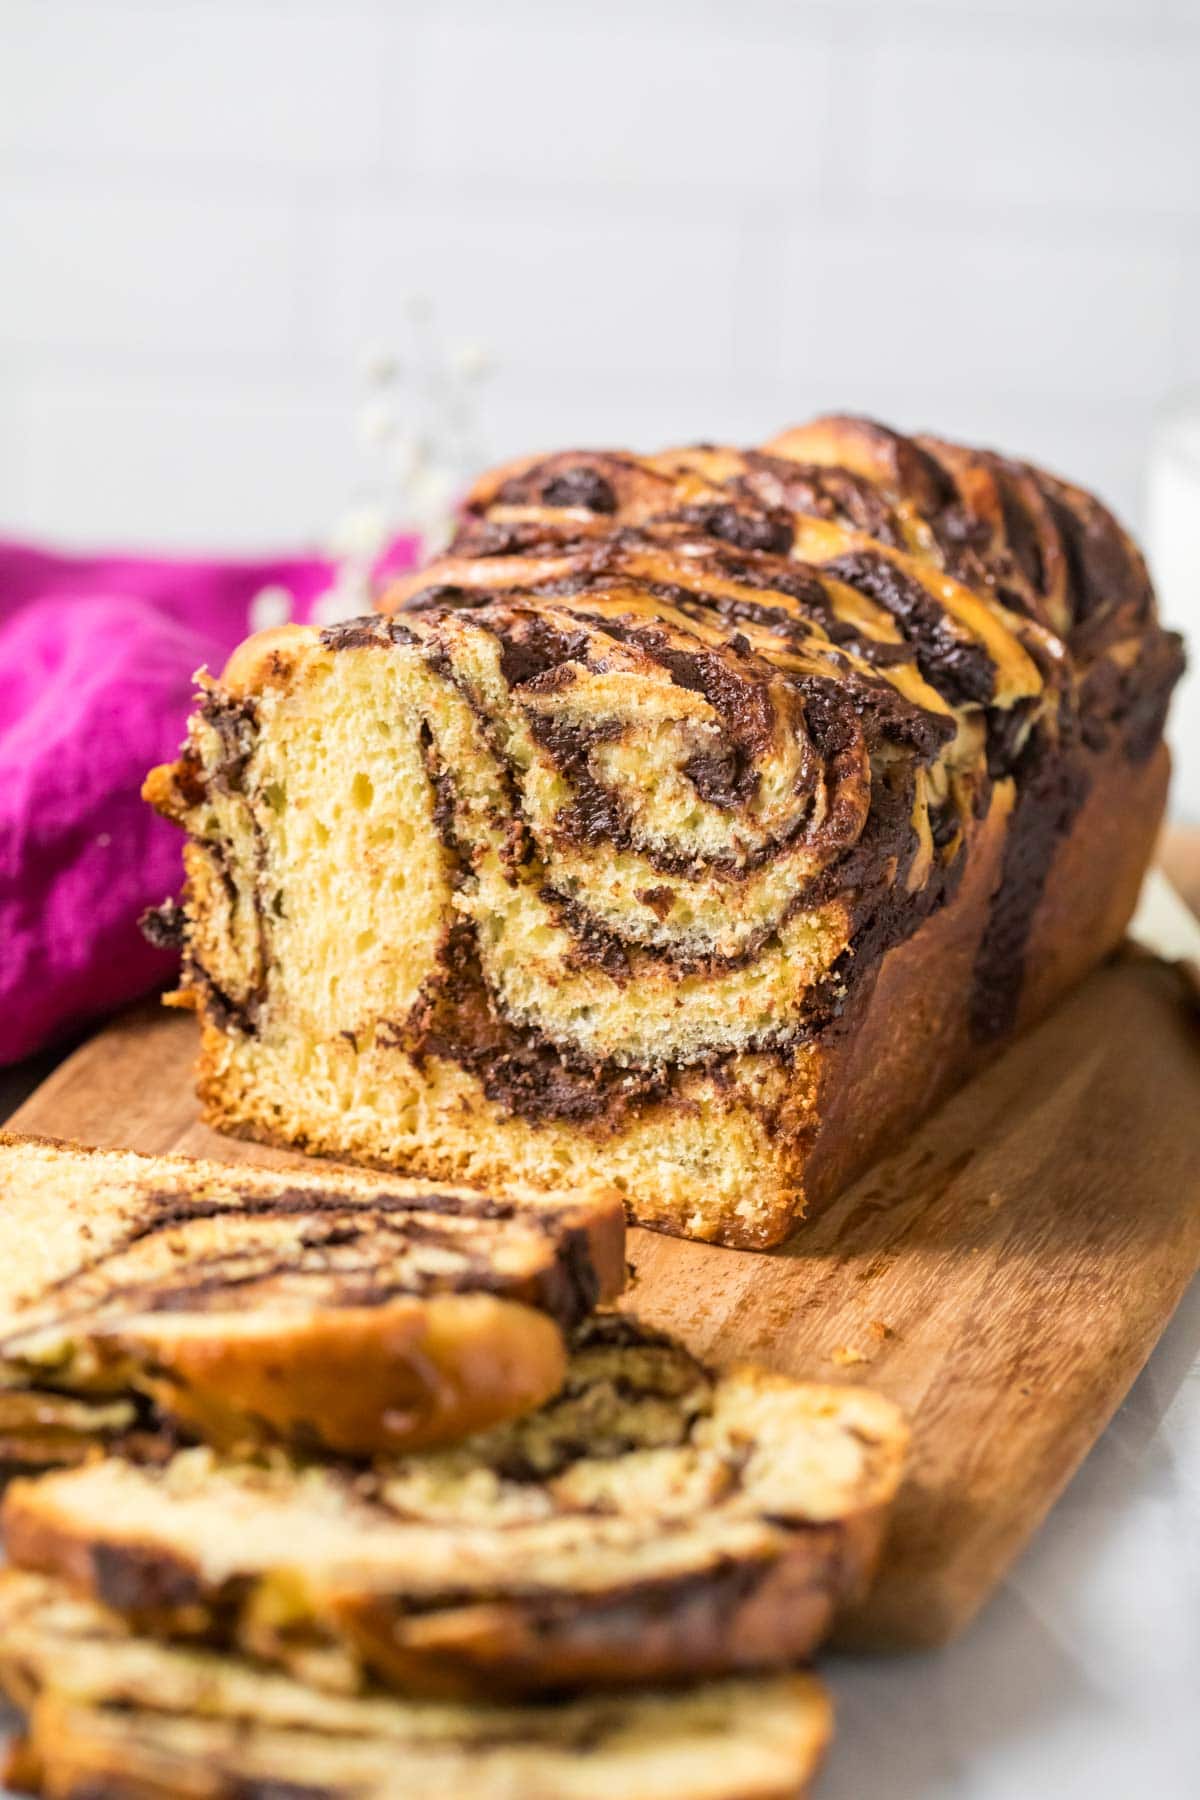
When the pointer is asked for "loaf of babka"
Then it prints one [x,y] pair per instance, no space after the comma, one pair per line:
[694,825]
[653,1521]
[112,1716]
[330,1310]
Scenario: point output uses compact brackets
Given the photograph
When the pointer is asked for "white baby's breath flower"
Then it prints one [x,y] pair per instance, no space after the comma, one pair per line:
[406,455]
[348,598]
[471,361]
[416,427]
[361,532]
[379,365]
[272,605]
[436,531]
[377,420]
[431,491]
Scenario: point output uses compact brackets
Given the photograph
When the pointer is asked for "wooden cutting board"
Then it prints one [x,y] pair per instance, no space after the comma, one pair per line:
[1004,1278]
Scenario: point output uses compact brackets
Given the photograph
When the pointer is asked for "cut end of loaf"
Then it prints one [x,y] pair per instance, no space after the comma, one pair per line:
[365,995]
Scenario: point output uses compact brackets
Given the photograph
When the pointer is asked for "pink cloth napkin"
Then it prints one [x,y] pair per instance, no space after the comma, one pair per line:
[97,656]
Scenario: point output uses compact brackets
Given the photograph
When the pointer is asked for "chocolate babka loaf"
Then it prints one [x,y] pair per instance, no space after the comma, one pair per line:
[652,1522]
[332,1311]
[695,824]
[112,1716]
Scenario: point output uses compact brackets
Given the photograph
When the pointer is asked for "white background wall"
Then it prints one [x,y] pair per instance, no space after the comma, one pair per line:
[667,219]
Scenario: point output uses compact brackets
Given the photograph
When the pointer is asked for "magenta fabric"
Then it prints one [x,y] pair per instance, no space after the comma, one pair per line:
[97,658]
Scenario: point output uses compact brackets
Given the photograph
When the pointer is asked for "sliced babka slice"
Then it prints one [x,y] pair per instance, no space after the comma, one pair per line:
[652,1521]
[41,1430]
[113,1716]
[334,1310]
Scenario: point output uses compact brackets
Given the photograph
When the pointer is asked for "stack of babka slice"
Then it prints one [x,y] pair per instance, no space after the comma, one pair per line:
[590,1576]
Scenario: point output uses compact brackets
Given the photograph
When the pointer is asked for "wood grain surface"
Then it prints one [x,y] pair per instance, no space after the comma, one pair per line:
[1004,1278]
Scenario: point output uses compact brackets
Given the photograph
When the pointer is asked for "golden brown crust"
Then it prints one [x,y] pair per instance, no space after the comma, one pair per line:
[1081,919]
[360,1381]
[23,1771]
[260,660]
[912,1044]
[750,1619]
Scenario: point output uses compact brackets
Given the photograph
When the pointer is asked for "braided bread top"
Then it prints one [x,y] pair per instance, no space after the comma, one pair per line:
[861,633]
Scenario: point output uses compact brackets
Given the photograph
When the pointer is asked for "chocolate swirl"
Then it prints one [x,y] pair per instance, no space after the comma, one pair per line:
[747,708]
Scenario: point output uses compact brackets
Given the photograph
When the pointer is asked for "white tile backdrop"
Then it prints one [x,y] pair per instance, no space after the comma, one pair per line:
[667,220]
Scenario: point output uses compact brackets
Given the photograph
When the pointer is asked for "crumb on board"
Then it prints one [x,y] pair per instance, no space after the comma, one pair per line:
[847,1355]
